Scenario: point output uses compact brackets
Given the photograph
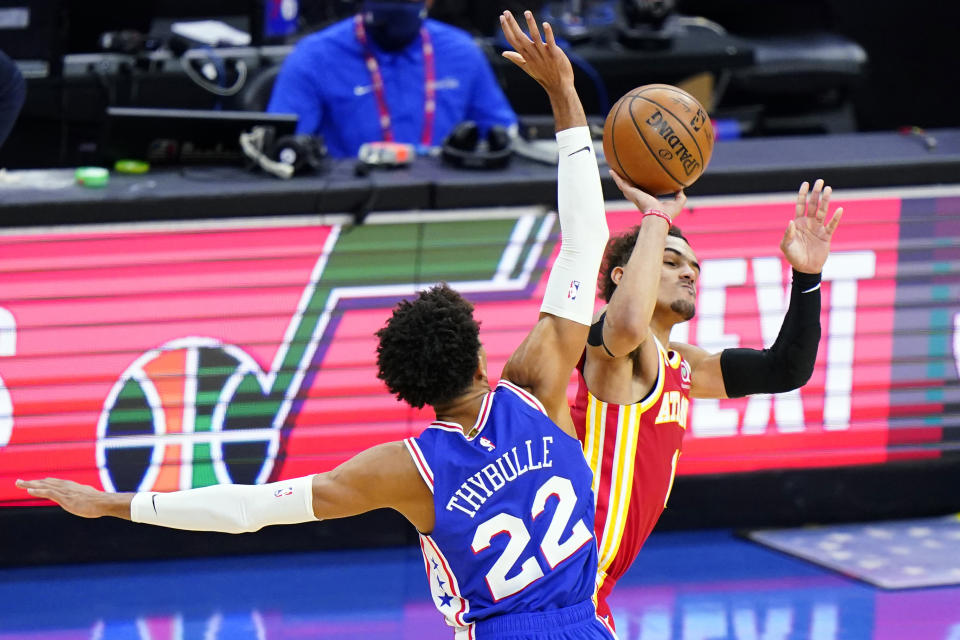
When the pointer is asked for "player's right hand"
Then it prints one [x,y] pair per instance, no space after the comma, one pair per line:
[806,242]
[645,202]
[79,499]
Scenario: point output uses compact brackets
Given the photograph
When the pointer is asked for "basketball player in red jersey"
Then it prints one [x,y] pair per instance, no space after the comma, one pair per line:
[632,406]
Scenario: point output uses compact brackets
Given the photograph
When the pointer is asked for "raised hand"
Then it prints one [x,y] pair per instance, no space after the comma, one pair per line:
[645,202]
[541,59]
[79,499]
[806,242]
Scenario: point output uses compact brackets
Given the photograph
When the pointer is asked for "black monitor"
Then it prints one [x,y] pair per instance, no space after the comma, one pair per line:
[31,34]
[184,136]
[86,21]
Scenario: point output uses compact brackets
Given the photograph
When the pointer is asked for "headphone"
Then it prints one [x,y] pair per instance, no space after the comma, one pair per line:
[203,64]
[285,156]
[464,148]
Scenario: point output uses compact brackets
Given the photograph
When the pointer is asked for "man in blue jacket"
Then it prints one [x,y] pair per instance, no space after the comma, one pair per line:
[388,73]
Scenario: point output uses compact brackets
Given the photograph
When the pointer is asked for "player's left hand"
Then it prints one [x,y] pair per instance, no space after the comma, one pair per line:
[806,242]
[539,57]
[79,499]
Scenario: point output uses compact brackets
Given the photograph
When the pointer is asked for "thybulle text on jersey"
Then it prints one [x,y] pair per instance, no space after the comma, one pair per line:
[475,490]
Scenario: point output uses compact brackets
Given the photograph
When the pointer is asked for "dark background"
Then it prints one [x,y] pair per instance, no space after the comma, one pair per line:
[912,49]
[909,79]
[912,46]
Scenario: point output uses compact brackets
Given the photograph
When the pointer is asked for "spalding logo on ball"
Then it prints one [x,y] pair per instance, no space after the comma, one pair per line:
[659,138]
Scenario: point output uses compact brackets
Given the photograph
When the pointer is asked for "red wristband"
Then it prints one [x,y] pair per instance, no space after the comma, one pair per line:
[659,214]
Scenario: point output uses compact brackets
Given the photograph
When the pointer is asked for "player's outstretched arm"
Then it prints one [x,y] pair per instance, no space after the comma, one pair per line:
[788,363]
[545,359]
[382,476]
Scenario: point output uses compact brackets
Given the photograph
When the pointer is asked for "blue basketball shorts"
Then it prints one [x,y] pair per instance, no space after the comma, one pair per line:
[577,622]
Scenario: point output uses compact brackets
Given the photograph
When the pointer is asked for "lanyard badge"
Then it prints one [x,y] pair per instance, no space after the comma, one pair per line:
[430,84]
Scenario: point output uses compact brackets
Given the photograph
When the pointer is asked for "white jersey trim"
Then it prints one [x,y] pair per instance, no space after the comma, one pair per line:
[452,427]
[524,395]
[481,417]
[478,426]
[420,461]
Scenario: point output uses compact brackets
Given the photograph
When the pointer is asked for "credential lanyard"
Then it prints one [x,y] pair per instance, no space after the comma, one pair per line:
[429,90]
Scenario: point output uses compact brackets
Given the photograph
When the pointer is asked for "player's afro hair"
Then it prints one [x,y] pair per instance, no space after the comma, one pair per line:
[429,348]
[618,253]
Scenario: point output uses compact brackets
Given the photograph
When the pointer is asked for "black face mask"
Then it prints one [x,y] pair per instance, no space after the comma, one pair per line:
[393,24]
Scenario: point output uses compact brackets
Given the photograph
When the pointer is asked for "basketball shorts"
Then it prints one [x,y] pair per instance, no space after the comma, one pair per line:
[578,622]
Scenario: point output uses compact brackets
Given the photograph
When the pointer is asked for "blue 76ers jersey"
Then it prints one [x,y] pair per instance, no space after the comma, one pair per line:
[514,513]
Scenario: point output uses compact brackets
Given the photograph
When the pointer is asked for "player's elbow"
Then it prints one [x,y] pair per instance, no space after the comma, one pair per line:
[244,522]
[623,335]
[799,367]
[798,375]
[235,518]
[628,322]
[241,527]
[787,377]
[327,489]
[633,333]
[600,234]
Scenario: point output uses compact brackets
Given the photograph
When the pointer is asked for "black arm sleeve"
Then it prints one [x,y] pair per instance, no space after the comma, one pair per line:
[788,364]
[595,337]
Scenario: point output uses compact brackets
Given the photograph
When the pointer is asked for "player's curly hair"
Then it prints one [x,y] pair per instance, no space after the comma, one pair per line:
[429,348]
[618,253]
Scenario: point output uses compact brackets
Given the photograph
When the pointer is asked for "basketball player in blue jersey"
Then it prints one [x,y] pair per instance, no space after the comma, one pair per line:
[497,485]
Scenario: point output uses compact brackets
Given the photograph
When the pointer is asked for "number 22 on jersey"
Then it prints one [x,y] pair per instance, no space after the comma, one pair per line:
[554,551]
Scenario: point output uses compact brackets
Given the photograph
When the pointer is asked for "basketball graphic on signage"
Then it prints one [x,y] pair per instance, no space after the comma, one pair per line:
[170,421]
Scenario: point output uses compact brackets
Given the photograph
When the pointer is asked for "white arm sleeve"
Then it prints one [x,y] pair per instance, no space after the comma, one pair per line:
[230,508]
[571,289]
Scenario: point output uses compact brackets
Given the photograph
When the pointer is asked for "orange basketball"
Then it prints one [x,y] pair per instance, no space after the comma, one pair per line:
[659,138]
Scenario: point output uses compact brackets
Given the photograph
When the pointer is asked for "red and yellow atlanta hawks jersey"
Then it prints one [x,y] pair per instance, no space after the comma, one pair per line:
[633,451]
